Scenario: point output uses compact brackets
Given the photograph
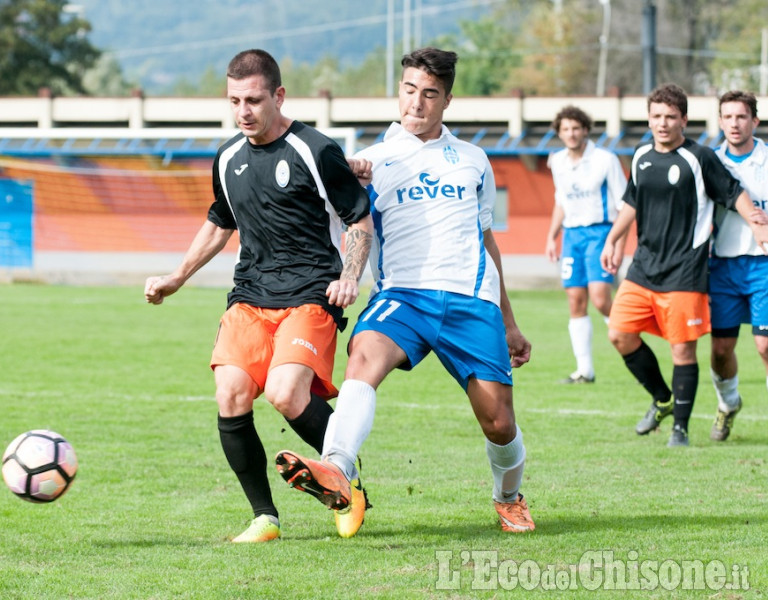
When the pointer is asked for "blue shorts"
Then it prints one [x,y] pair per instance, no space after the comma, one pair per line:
[738,293]
[467,334]
[580,262]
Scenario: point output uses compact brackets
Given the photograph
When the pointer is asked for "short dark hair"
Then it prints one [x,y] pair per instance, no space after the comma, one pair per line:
[670,94]
[572,113]
[438,63]
[255,62]
[747,98]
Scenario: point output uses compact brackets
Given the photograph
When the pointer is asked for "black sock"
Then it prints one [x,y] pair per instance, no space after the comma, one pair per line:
[643,365]
[245,454]
[312,423]
[685,381]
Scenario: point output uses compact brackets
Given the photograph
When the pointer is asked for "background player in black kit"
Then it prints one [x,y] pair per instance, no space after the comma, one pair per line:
[673,183]
[288,191]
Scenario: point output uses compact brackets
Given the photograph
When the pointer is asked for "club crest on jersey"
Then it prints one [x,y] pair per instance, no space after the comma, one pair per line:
[673,175]
[282,173]
[450,154]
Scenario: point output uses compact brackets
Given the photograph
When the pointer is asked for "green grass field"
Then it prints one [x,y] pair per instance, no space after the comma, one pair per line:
[154,500]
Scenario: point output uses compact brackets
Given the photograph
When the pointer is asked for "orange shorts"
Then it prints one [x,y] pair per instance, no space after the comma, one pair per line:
[258,339]
[677,317]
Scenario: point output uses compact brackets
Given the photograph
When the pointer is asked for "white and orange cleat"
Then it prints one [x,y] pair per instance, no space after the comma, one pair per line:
[515,516]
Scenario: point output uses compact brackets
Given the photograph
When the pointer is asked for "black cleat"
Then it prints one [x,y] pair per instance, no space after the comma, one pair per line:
[679,437]
[655,415]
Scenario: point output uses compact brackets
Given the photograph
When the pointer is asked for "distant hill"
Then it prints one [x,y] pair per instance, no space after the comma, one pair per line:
[158,41]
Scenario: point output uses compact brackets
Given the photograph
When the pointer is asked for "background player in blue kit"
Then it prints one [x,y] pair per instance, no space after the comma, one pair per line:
[438,287]
[738,268]
[288,191]
[589,183]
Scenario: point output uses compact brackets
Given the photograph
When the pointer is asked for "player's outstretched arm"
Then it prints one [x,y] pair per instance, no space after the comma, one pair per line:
[345,290]
[208,242]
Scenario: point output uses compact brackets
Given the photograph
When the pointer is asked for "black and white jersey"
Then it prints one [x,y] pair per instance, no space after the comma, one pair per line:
[289,201]
[674,195]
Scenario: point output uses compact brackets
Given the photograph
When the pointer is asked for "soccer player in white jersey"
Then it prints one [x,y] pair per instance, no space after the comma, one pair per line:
[738,268]
[589,183]
[438,288]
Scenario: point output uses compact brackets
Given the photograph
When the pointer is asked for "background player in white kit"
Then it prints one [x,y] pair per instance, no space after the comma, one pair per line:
[738,268]
[589,183]
[438,288]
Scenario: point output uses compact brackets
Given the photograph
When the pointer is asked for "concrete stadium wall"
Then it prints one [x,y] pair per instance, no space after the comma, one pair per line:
[515,112]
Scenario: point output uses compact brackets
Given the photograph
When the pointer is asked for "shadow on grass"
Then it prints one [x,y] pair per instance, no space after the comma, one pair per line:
[570,525]
[156,542]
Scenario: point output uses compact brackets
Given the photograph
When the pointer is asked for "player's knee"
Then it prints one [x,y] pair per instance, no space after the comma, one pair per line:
[720,350]
[761,341]
[603,305]
[500,430]
[233,401]
[616,339]
[287,398]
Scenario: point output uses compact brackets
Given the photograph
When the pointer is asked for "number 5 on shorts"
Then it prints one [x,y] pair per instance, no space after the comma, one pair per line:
[566,268]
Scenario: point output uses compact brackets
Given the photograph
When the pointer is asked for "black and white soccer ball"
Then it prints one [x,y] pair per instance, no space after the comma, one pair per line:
[39,466]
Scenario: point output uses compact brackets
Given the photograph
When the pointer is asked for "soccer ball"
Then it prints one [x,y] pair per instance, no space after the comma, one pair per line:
[39,466]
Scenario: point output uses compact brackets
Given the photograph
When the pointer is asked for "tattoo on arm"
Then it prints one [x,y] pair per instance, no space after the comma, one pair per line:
[358,244]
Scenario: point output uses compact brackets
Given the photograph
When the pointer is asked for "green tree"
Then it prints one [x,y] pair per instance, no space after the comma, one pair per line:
[560,49]
[738,45]
[212,83]
[42,45]
[486,53]
[105,78]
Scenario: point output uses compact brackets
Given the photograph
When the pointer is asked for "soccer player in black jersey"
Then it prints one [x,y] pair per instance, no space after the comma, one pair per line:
[288,191]
[673,184]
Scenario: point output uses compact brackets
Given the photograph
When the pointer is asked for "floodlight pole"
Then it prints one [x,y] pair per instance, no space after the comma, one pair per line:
[406,26]
[390,48]
[602,67]
[764,63]
[649,46]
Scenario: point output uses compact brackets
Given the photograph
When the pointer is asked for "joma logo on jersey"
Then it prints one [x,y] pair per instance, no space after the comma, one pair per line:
[306,344]
[431,188]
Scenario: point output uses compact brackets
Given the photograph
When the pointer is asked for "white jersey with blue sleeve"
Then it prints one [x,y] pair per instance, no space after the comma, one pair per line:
[589,191]
[430,203]
[733,237]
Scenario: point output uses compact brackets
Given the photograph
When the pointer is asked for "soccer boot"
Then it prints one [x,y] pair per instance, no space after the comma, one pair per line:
[721,428]
[679,437]
[514,516]
[263,528]
[577,377]
[350,519]
[319,478]
[655,415]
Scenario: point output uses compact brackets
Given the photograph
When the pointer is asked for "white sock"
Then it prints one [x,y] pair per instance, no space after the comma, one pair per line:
[355,408]
[580,329]
[507,464]
[727,391]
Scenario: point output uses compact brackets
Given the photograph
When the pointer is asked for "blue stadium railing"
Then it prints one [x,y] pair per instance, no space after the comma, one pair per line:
[527,143]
